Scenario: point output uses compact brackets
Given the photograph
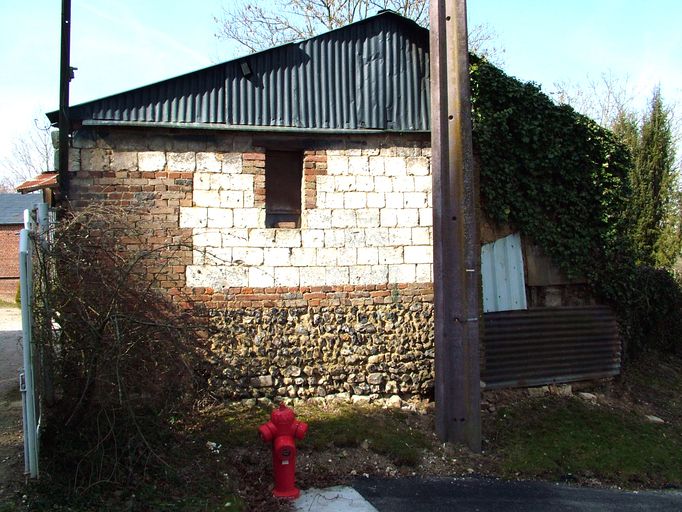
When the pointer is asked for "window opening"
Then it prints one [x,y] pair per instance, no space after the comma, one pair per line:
[283,178]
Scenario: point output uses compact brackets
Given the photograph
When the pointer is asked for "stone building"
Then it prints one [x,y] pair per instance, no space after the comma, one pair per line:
[300,176]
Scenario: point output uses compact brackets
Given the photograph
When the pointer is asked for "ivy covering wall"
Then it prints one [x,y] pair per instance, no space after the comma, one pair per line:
[560,178]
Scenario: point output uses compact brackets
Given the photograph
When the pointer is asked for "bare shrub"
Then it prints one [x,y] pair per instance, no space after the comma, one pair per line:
[123,355]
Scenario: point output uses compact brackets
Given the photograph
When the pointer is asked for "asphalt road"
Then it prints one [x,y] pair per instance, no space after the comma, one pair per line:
[490,495]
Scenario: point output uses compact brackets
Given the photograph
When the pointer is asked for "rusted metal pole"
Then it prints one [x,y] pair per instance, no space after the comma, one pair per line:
[456,250]
[64,79]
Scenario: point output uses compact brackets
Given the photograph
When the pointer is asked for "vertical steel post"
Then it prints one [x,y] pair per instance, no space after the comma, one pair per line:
[455,230]
[64,79]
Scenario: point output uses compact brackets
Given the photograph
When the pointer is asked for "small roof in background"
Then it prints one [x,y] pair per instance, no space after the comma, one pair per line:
[12,207]
[44,180]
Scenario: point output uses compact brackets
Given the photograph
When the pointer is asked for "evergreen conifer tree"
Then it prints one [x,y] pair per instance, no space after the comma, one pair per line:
[654,207]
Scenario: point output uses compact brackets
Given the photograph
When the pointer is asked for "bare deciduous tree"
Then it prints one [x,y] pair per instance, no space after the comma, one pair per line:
[32,153]
[483,41]
[603,99]
[255,27]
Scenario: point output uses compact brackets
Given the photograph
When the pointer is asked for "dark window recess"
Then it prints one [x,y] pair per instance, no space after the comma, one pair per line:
[283,178]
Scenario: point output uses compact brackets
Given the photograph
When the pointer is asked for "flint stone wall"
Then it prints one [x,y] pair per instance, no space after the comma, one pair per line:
[381,349]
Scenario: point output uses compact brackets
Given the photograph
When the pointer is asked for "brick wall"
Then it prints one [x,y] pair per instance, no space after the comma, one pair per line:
[9,261]
[153,186]
[363,252]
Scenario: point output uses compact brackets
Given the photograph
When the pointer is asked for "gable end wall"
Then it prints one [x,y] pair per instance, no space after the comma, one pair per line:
[341,305]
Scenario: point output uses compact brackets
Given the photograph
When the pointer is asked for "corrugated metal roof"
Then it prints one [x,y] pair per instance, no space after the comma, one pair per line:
[373,74]
[12,207]
[550,345]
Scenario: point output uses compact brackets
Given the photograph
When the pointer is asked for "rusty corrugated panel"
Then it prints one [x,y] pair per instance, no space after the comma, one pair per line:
[550,345]
[44,180]
[373,74]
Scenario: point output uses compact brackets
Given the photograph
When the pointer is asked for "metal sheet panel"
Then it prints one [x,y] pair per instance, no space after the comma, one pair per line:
[373,74]
[550,345]
[502,275]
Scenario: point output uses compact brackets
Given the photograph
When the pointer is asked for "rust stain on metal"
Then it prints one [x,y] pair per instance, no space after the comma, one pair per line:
[550,345]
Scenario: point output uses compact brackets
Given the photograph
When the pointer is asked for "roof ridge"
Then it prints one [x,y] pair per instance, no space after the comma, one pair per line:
[54,115]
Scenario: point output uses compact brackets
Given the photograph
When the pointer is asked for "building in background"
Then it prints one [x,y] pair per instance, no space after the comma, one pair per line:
[12,208]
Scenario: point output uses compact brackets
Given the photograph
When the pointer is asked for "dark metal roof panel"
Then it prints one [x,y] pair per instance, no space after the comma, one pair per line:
[373,74]
[550,345]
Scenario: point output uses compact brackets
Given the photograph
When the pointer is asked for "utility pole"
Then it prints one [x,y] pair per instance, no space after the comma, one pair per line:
[64,79]
[456,250]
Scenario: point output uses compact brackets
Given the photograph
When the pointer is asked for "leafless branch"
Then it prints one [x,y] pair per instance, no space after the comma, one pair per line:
[125,355]
[256,28]
[32,153]
[603,99]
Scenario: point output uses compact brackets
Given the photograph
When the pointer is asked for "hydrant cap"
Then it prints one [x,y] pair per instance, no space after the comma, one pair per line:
[282,416]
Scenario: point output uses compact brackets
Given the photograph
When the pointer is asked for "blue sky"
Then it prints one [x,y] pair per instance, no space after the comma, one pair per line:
[121,44]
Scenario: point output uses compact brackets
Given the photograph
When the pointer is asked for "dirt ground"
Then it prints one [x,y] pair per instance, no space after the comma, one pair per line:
[11,439]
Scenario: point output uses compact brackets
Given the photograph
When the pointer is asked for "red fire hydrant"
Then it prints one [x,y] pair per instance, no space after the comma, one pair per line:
[281,430]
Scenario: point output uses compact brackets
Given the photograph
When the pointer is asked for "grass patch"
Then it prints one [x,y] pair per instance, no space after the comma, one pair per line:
[8,304]
[8,507]
[568,439]
[384,431]
[184,478]
[656,379]
[46,497]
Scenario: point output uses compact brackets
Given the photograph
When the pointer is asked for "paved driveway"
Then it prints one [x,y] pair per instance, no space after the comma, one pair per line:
[490,495]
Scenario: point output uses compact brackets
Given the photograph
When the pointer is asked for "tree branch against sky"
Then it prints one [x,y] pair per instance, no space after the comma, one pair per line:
[32,153]
[256,26]
[603,99]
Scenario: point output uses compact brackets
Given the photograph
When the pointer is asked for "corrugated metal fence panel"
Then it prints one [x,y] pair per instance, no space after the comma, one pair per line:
[550,345]
[373,74]
[504,288]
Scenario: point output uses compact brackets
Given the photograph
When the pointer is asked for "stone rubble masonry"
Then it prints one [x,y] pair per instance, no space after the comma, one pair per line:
[380,350]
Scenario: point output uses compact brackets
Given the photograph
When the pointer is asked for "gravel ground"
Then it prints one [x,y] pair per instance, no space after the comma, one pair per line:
[10,348]
[11,439]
